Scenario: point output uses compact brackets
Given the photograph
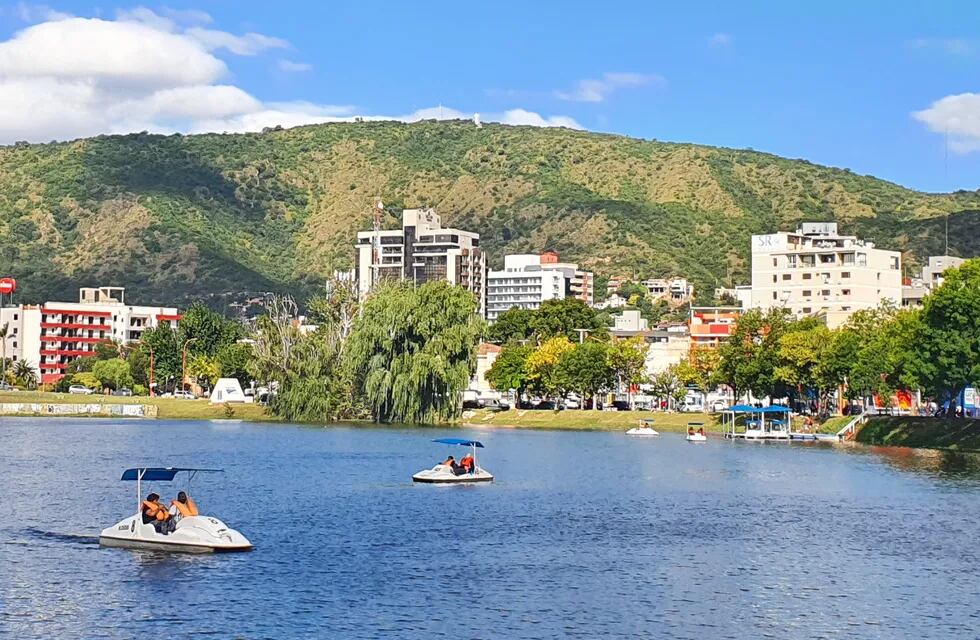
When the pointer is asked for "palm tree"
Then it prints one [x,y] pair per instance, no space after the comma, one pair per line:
[25,374]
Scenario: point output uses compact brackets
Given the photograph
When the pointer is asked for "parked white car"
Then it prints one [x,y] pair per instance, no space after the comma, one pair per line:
[80,390]
[184,395]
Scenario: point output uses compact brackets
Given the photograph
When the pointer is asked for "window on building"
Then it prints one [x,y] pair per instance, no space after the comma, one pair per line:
[787,276]
[807,293]
[807,310]
[807,276]
[791,260]
[894,262]
[774,262]
[845,274]
[15,316]
[774,278]
[847,258]
[773,295]
[825,293]
[15,344]
[845,292]
[862,259]
[828,258]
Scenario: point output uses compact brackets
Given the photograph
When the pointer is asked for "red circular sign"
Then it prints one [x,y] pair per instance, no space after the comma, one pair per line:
[7,285]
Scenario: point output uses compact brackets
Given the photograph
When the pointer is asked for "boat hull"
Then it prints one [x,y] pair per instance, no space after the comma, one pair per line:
[442,474]
[194,534]
[697,438]
[639,431]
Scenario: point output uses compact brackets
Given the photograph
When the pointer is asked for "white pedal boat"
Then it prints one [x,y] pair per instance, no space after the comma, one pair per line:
[444,474]
[192,534]
[644,428]
[692,432]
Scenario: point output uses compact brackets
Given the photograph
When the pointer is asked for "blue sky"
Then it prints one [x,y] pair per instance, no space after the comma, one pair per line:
[836,83]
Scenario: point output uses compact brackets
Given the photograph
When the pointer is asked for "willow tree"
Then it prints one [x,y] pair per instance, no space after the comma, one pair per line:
[413,351]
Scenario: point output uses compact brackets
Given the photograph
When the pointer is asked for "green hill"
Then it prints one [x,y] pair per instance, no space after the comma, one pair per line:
[181,217]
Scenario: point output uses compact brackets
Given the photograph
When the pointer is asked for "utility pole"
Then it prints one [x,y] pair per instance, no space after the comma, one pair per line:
[150,347]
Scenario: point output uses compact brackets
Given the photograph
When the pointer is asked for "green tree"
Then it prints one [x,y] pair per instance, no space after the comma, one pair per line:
[113,373]
[204,370]
[167,360]
[106,350]
[564,318]
[509,370]
[413,351]
[543,373]
[751,354]
[233,361]
[807,361]
[337,308]
[208,330]
[943,343]
[586,369]
[700,370]
[666,386]
[627,360]
[512,325]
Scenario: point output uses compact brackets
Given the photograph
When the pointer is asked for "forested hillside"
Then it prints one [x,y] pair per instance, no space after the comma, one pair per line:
[180,217]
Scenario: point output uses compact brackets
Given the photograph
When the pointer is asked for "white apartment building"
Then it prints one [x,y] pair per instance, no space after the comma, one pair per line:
[674,290]
[527,280]
[914,290]
[666,346]
[421,251]
[816,271]
[51,335]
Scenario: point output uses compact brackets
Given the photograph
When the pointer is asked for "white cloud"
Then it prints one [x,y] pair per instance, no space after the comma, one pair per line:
[720,40]
[245,45]
[597,90]
[107,53]
[38,12]
[959,117]
[950,46]
[74,77]
[522,117]
[294,67]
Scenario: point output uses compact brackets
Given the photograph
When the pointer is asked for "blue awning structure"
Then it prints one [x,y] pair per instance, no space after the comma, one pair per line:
[741,408]
[774,409]
[460,441]
[160,474]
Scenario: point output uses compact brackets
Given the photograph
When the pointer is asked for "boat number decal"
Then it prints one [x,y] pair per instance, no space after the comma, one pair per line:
[123,527]
[213,521]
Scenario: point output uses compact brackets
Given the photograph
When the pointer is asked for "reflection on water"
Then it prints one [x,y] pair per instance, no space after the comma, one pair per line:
[947,465]
[583,535]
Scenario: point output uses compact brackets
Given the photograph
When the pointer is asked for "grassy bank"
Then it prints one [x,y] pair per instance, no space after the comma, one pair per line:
[588,420]
[167,408]
[929,433]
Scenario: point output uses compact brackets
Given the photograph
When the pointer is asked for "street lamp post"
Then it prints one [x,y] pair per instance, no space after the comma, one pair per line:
[183,360]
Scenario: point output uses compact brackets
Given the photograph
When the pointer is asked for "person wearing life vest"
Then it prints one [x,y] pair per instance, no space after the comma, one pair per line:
[466,463]
[185,505]
[156,514]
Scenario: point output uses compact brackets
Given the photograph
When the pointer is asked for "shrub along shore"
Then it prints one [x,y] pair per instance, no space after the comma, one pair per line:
[576,420]
[957,434]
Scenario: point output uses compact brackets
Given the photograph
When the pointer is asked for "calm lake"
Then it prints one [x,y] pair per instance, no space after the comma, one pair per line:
[582,535]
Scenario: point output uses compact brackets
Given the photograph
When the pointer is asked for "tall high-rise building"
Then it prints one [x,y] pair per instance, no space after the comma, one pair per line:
[817,271]
[422,251]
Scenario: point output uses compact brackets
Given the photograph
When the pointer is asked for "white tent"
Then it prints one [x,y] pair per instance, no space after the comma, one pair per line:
[227,390]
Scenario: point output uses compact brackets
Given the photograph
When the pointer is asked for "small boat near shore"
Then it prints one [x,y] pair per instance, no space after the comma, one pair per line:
[446,474]
[696,435]
[190,534]
[644,428]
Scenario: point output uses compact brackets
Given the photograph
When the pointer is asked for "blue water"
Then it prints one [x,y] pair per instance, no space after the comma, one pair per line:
[583,535]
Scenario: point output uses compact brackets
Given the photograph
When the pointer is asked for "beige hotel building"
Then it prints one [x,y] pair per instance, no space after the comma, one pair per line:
[817,271]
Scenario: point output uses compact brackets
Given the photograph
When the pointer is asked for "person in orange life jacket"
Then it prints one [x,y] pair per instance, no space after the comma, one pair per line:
[466,464]
[184,505]
[156,514]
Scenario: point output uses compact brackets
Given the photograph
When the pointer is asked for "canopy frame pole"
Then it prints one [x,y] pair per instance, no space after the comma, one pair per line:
[139,487]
